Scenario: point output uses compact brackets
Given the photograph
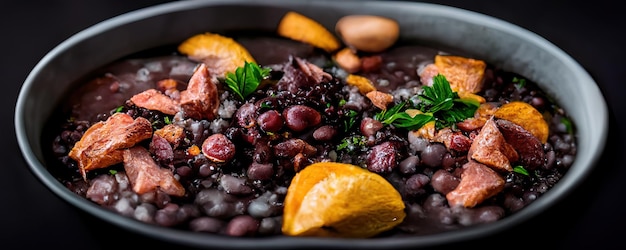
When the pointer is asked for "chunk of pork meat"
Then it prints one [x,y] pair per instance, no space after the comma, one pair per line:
[490,148]
[102,143]
[153,99]
[145,175]
[529,147]
[478,183]
[300,73]
[200,100]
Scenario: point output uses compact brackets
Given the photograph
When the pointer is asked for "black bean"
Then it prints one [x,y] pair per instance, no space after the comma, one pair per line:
[325,133]
[258,171]
[242,225]
[301,117]
[206,224]
[414,185]
[409,165]
[270,226]
[370,126]
[145,212]
[167,216]
[432,155]
[234,185]
[443,181]
[270,121]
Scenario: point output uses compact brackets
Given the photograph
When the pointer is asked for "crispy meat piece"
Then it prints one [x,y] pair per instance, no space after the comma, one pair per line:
[200,100]
[145,175]
[153,99]
[174,134]
[464,74]
[380,99]
[478,183]
[490,148]
[100,145]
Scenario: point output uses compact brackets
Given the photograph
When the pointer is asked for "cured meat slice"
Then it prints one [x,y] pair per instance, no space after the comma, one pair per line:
[529,148]
[200,100]
[145,175]
[100,145]
[478,183]
[490,148]
[153,99]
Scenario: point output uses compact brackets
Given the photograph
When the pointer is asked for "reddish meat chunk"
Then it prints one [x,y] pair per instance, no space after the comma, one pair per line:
[454,140]
[490,148]
[529,148]
[478,183]
[145,175]
[100,145]
[200,100]
[153,99]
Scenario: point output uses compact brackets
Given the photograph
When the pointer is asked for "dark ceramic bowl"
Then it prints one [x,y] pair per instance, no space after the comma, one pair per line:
[493,40]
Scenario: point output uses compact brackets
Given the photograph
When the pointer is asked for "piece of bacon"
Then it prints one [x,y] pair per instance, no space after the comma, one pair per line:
[200,100]
[153,99]
[490,148]
[478,183]
[145,175]
[101,144]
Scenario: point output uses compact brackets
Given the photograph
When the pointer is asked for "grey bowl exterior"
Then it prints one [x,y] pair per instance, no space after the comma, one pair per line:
[491,39]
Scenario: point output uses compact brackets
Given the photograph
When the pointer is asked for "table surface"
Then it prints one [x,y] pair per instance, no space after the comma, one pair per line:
[590,31]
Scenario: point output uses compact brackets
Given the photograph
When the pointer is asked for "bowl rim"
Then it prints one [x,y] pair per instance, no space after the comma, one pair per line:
[566,185]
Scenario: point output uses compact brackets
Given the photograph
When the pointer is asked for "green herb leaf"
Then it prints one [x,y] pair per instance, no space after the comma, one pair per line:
[351,115]
[520,170]
[519,82]
[438,103]
[351,144]
[246,79]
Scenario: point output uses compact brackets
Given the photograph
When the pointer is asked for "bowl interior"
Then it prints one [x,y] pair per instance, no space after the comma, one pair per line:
[493,40]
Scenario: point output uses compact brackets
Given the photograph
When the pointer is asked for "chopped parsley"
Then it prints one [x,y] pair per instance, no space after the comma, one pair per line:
[351,144]
[519,82]
[246,79]
[351,115]
[437,103]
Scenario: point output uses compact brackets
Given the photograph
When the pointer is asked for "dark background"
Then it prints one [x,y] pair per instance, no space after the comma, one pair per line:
[592,217]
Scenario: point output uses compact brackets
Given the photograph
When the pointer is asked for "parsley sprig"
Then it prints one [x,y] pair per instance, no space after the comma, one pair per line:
[246,79]
[437,103]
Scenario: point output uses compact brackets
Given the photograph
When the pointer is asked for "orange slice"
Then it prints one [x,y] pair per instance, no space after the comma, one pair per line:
[221,54]
[363,83]
[304,29]
[525,115]
[340,200]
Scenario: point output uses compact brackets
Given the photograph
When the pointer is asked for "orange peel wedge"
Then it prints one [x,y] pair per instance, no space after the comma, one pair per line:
[221,54]
[526,116]
[301,28]
[332,199]
[363,83]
